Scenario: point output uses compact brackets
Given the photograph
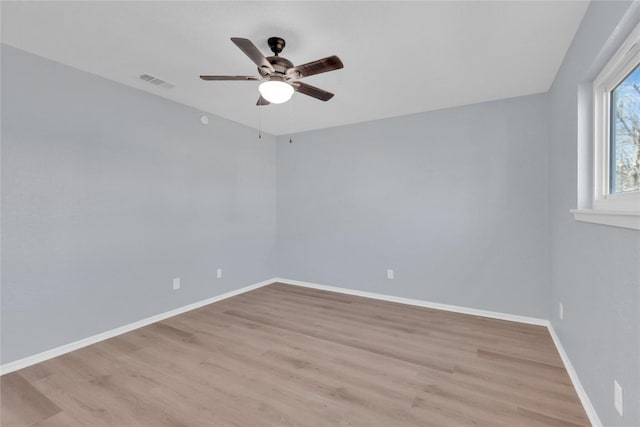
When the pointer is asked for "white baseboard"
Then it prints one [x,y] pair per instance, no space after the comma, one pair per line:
[582,394]
[420,303]
[58,351]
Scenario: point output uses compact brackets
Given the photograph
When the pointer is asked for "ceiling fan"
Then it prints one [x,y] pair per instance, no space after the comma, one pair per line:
[278,75]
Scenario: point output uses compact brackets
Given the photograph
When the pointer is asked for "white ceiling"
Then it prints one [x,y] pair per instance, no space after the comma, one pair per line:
[400,57]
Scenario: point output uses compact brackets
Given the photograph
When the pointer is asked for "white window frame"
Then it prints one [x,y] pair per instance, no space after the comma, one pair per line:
[617,209]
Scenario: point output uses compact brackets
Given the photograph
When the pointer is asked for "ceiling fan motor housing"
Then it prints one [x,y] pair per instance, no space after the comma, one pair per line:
[280,66]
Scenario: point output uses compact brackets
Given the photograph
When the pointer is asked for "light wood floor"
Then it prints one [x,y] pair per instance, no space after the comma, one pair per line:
[290,356]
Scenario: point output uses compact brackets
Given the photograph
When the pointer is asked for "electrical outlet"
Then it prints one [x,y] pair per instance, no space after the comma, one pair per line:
[560,311]
[390,274]
[219,273]
[176,283]
[617,397]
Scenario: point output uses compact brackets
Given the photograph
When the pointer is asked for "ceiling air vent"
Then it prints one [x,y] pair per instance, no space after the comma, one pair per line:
[156,81]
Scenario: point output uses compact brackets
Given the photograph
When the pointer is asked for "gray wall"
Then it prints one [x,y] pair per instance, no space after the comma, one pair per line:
[455,201]
[594,269]
[108,193]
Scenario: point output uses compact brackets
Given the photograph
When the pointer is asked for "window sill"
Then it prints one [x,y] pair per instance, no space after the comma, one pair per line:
[629,219]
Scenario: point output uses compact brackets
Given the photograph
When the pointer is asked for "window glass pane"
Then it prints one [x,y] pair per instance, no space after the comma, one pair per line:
[625,135]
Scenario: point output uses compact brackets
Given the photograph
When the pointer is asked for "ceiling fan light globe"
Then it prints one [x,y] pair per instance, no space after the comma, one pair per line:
[276,92]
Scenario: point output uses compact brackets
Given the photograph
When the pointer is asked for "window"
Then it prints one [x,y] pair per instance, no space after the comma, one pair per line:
[624,135]
[616,138]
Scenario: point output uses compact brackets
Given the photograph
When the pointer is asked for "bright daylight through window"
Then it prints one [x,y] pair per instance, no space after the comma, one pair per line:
[624,145]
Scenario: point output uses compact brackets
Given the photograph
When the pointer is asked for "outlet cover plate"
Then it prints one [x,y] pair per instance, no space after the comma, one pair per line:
[617,397]
[561,311]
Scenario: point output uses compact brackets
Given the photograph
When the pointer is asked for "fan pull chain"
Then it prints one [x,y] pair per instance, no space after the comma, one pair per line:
[260,121]
[290,119]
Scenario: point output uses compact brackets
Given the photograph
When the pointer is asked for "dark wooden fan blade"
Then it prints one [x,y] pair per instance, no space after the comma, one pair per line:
[312,91]
[229,78]
[323,65]
[253,53]
[262,101]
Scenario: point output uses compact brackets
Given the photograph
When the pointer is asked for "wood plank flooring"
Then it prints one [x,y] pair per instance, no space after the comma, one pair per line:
[289,356]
